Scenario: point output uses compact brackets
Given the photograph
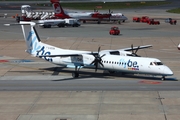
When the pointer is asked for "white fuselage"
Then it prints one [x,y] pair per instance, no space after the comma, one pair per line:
[128,64]
[88,16]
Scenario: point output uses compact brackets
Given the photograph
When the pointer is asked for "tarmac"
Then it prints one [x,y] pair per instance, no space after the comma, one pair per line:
[16,64]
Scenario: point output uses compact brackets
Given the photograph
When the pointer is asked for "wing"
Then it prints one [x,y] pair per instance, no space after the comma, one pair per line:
[67,55]
[95,53]
[135,48]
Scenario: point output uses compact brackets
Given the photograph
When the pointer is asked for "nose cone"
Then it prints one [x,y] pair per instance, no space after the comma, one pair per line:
[125,18]
[167,71]
[178,46]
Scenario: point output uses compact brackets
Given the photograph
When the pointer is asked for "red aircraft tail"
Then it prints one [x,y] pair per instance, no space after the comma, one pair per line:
[58,10]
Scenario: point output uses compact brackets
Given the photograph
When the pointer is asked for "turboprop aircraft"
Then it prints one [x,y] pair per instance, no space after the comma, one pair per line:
[178,46]
[86,16]
[112,60]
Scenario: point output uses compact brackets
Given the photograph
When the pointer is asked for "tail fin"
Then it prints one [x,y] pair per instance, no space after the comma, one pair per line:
[58,10]
[31,37]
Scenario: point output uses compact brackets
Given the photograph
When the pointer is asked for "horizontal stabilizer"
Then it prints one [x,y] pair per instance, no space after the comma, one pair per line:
[21,23]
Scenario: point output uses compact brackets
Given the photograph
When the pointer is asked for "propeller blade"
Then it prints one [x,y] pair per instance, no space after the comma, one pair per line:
[137,49]
[132,48]
[92,62]
[103,55]
[101,64]
[99,49]
[134,52]
[97,59]
[96,66]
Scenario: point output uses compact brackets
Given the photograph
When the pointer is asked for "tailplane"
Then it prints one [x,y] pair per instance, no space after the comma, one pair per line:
[58,10]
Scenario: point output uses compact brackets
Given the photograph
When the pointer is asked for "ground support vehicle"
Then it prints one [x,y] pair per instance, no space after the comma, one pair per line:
[153,22]
[51,22]
[145,19]
[171,21]
[72,22]
[22,18]
[136,19]
[178,46]
[141,19]
[114,31]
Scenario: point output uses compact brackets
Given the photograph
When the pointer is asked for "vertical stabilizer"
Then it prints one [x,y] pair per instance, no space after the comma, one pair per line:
[31,37]
[58,10]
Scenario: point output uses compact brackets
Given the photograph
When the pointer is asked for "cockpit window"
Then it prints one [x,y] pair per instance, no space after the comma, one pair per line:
[159,63]
[156,63]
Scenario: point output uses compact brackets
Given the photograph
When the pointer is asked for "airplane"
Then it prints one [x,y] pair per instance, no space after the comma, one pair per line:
[112,60]
[86,16]
[178,46]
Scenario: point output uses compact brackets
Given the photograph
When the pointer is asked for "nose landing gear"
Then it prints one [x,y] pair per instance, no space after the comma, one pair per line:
[163,78]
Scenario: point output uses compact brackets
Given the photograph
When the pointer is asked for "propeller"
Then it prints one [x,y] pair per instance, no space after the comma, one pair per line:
[97,60]
[134,53]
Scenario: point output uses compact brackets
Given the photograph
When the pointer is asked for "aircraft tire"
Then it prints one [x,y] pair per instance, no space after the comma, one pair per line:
[44,26]
[75,75]
[60,25]
[163,78]
[49,26]
[111,72]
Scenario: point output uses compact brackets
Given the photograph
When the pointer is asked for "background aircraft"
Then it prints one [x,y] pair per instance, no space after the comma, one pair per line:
[86,16]
[112,60]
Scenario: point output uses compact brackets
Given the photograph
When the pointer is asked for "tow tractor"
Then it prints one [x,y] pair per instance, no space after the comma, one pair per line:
[114,31]
[145,19]
[153,22]
[171,21]
[141,19]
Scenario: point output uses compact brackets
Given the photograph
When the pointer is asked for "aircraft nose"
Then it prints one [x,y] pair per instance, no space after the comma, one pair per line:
[168,71]
[125,17]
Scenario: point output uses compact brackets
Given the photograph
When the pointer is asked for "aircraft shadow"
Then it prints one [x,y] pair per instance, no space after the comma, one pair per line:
[105,74]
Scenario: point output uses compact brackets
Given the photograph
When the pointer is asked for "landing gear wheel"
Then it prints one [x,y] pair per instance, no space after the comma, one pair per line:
[163,78]
[98,22]
[75,75]
[111,72]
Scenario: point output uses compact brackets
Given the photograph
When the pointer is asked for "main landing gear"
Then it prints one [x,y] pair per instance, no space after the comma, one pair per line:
[76,73]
